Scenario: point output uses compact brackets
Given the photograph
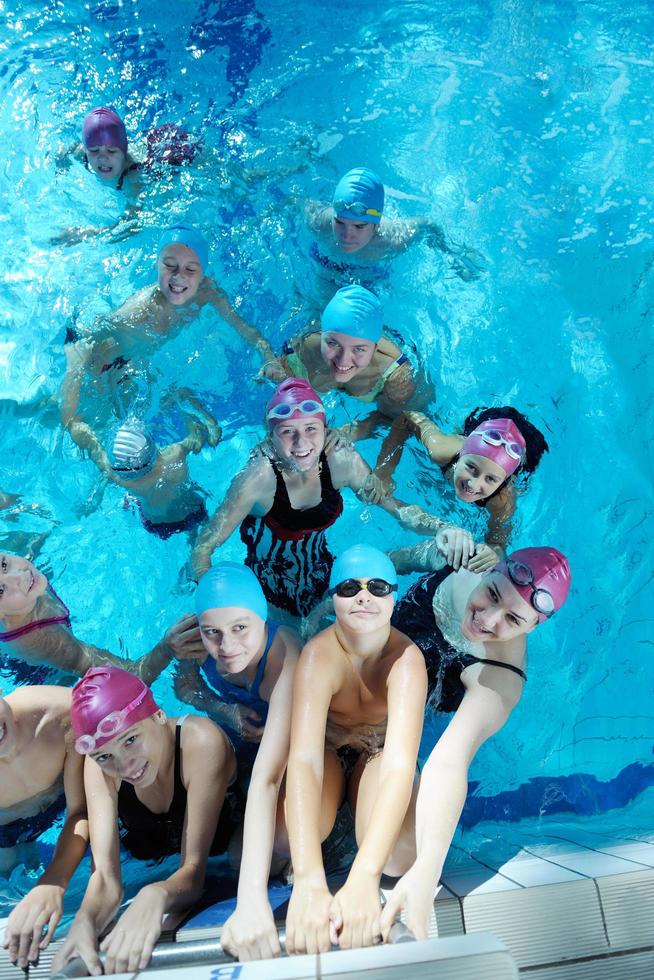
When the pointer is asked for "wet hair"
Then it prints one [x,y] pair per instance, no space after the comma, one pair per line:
[534,438]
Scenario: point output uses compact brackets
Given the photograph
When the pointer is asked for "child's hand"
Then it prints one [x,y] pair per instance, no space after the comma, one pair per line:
[81,941]
[184,639]
[250,932]
[336,439]
[483,559]
[129,945]
[41,907]
[375,489]
[355,913]
[273,370]
[308,919]
[458,546]
[413,895]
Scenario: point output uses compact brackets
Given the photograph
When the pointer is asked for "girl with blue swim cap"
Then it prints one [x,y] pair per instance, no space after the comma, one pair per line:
[358,700]
[245,683]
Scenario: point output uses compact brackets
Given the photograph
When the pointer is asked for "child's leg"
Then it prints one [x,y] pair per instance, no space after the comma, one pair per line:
[333,788]
[362,794]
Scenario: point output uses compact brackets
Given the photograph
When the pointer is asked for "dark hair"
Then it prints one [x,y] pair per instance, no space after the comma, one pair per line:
[534,438]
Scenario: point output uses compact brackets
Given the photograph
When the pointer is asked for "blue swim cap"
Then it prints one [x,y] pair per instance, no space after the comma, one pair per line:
[354,311]
[359,195]
[185,235]
[230,584]
[362,561]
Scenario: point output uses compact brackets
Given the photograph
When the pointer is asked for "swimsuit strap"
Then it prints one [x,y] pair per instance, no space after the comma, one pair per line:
[261,666]
[178,802]
[38,624]
[468,658]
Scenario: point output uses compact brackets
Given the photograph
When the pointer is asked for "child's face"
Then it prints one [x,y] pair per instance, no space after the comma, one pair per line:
[299,442]
[180,273]
[107,162]
[234,637]
[345,356]
[21,584]
[352,235]
[7,730]
[135,755]
[364,612]
[495,611]
[476,477]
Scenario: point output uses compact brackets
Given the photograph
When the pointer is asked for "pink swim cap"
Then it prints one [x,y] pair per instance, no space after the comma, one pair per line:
[541,576]
[498,439]
[106,702]
[104,127]
[293,397]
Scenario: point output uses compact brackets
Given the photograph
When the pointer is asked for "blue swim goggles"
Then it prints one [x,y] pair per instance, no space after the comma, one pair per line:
[521,574]
[355,208]
[284,410]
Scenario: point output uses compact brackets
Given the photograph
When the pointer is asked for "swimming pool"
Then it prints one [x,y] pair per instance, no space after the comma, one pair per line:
[527,131]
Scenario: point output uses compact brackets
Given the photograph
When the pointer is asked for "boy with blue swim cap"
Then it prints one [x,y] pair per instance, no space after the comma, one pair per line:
[140,327]
[358,703]
[245,683]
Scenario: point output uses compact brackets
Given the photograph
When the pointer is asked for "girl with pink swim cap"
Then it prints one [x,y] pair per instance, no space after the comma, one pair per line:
[498,446]
[164,780]
[286,498]
[473,633]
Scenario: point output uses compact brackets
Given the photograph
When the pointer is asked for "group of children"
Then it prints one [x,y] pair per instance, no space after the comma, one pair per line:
[289,733]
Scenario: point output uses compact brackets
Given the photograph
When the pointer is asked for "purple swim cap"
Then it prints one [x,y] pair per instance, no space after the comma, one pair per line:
[541,576]
[499,440]
[104,127]
[106,702]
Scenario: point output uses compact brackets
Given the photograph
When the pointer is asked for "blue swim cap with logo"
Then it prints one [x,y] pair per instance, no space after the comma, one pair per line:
[362,561]
[359,196]
[354,311]
[186,235]
[230,584]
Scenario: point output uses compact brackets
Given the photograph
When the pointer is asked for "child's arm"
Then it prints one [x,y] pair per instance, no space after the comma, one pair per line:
[104,891]
[77,357]
[42,907]
[443,790]
[358,900]
[251,336]
[242,495]
[208,765]
[84,437]
[191,688]
[250,933]
[316,682]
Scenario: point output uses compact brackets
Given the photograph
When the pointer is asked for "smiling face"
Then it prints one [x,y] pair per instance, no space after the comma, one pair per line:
[364,612]
[107,162]
[234,637]
[135,755]
[180,273]
[495,611]
[8,734]
[352,235]
[21,584]
[476,478]
[345,356]
[299,441]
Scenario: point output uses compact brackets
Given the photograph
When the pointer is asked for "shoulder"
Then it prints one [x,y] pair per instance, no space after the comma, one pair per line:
[199,736]
[345,464]
[409,657]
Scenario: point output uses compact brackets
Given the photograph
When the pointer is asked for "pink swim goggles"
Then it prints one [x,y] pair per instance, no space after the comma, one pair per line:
[110,725]
[494,438]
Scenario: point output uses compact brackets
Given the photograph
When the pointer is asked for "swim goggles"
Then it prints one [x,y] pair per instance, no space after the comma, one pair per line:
[378,587]
[521,574]
[110,725]
[494,438]
[307,407]
[355,208]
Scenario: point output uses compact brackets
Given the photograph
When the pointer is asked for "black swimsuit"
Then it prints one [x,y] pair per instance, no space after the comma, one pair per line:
[152,836]
[286,548]
[414,615]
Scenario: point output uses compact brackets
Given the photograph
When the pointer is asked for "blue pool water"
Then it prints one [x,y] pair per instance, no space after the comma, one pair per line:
[526,129]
